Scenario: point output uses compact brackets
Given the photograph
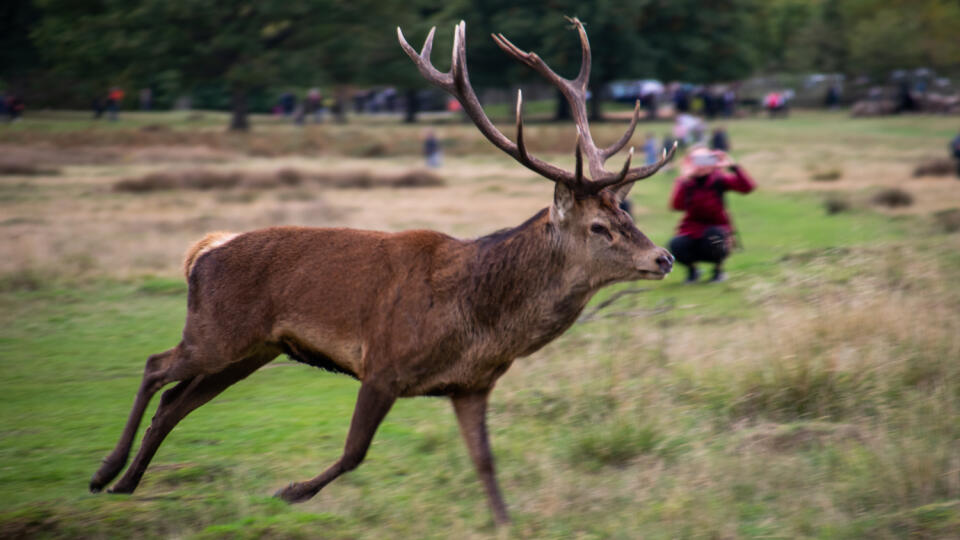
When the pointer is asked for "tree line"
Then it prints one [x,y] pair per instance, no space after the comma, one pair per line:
[61,52]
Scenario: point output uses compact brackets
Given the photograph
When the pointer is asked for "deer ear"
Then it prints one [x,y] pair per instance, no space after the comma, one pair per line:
[622,191]
[563,200]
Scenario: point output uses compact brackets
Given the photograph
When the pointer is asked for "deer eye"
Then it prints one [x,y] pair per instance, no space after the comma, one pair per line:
[597,228]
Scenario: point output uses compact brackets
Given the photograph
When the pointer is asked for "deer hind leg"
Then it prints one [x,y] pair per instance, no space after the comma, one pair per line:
[471,412]
[159,371]
[178,402]
[372,406]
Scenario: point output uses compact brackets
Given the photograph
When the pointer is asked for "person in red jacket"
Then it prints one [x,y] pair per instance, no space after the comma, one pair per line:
[705,234]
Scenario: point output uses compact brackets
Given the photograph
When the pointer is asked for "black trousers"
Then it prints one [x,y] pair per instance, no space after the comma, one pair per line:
[711,247]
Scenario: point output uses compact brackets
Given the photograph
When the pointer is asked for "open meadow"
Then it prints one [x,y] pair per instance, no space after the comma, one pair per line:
[815,394]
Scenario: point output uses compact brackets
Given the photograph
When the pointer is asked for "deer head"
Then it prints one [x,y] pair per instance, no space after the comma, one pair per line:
[585,211]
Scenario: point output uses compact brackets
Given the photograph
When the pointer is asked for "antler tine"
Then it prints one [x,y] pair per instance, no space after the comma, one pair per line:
[521,147]
[578,175]
[633,175]
[626,166]
[643,172]
[422,61]
[615,147]
[584,76]
[427,43]
[530,59]
[458,60]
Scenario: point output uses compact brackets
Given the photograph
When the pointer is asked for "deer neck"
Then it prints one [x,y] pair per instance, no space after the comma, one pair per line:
[525,283]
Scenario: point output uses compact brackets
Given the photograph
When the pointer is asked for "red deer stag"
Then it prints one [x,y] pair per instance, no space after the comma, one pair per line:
[416,313]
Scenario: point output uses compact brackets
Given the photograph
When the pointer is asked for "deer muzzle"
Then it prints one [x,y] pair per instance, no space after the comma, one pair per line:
[655,265]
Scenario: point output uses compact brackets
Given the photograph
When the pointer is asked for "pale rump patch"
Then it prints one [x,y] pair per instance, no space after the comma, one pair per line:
[212,240]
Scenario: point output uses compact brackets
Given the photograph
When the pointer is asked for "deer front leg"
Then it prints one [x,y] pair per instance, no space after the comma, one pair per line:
[471,412]
[372,406]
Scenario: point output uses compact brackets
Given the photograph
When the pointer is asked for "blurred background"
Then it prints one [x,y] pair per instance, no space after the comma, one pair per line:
[814,394]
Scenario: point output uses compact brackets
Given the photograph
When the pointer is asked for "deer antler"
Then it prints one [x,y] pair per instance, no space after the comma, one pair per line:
[457,83]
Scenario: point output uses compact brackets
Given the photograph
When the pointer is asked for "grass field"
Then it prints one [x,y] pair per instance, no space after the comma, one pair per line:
[815,394]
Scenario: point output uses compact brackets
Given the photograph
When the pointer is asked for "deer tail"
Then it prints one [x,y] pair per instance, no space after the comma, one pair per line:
[211,241]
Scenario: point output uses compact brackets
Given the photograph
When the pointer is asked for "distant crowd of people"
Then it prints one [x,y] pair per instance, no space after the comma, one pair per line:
[709,101]
[312,107]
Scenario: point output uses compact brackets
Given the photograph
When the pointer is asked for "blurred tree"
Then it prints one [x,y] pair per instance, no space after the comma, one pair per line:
[701,41]
[244,45]
[774,26]
[17,53]
[857,36]
[898,34]
[822,42]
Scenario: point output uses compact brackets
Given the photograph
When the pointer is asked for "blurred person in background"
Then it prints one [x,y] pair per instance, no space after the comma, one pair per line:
[14,106]
[98,104]
[729,102]
[832,99]
[288,102]
[651,150]
[315,105]
[778,103]
[431,149]
[146,99]
[719,139]
[114,97]
[705,234]
[955,151]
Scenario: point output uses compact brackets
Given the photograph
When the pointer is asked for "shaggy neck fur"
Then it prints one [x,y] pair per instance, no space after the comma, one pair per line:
[523,279]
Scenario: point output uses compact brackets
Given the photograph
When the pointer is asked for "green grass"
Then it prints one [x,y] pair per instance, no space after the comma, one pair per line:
[813,395]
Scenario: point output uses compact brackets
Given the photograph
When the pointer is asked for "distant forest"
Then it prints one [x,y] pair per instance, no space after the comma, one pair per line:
[238,53]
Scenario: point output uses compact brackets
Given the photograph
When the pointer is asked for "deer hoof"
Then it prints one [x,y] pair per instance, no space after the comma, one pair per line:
[295,493]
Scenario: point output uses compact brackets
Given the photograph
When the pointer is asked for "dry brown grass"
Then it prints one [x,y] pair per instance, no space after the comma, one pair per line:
[50,225]
[16,165]
[206,179]
[847,374]
[45,154]
[948,220]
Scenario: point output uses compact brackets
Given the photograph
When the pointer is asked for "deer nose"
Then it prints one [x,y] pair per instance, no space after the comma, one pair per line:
[665,262]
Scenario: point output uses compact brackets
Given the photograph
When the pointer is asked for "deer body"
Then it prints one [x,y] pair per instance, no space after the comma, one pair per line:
[408,314]
[428,315]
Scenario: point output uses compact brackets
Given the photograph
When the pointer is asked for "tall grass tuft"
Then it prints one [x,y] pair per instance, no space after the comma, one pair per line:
[612,443]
